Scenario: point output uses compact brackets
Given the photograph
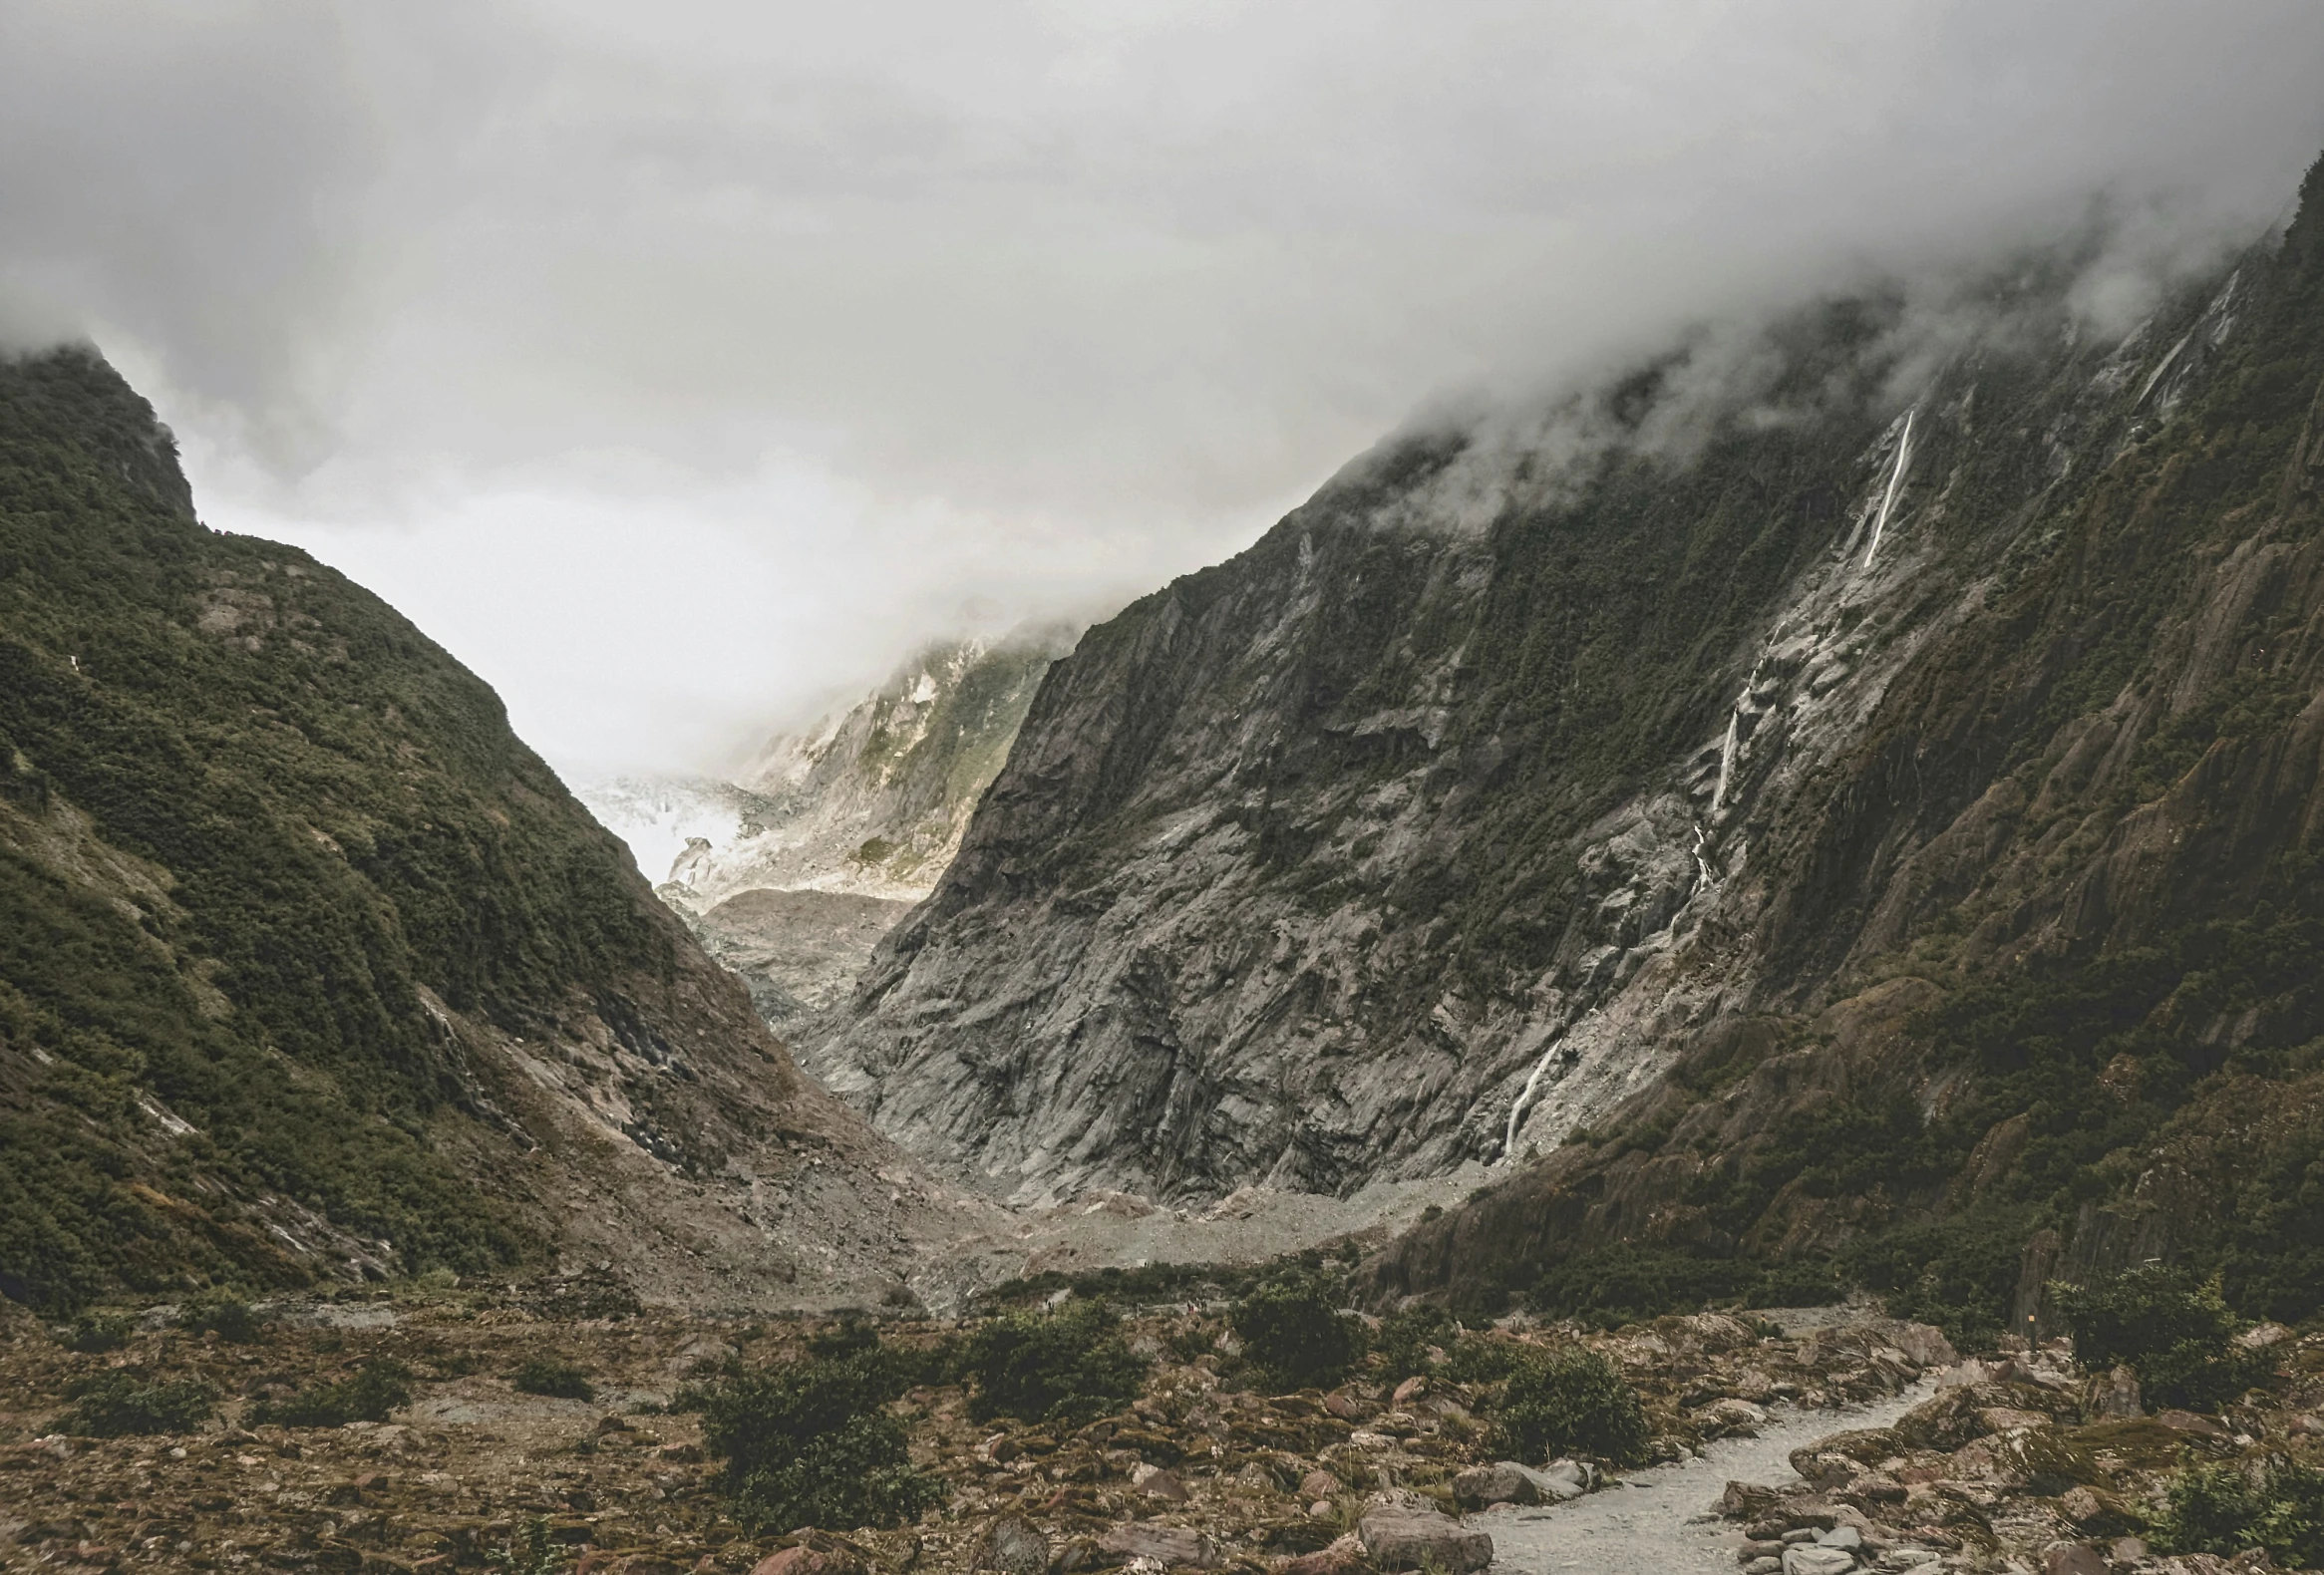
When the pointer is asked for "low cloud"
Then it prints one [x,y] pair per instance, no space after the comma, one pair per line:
[676,364]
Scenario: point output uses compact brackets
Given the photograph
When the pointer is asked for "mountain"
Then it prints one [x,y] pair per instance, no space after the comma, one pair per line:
[2037,945]
[790,873]
[310,968]
[1828,784]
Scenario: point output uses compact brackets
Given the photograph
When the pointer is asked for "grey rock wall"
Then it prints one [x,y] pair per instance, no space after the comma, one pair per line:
[1429,827]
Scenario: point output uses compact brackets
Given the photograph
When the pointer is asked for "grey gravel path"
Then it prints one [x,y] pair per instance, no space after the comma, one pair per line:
[1658,1523]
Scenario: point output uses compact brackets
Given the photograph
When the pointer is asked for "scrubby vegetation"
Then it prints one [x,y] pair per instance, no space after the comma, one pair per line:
[1070,1364]
[93,1333]
[1626,1284]
[1294,1334]
[371,1394]
[124,1400]
[2173,1331]
[553,1377]
[1167,1282]
[812,1442]
[2226,1507]
[228,1316]
[1405,1338]
[1570,1401]
[302,814]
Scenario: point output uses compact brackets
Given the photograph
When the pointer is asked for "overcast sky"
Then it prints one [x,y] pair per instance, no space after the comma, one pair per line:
[677,364]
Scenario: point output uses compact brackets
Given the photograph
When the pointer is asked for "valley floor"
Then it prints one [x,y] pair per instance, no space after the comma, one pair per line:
[2001,1465]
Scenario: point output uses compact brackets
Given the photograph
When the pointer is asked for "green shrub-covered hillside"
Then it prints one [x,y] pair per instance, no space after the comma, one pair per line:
[249,816]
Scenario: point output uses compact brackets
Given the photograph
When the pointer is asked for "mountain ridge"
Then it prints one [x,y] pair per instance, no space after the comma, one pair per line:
[1582,789]
[2072,1025]
[309,969]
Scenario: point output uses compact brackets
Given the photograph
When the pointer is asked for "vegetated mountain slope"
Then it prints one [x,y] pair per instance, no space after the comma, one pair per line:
[309,967]
[2042,946]
[1525,756]
[791,874]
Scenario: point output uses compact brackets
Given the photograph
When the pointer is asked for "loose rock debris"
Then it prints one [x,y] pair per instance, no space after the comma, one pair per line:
[2005,1466]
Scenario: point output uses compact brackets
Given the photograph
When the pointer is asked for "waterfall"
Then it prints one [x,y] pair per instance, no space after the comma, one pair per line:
[1725,759]
[1889,498]
[1508,1142]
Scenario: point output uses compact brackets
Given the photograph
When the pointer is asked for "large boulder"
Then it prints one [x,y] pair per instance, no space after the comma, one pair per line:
[1011,1546]
[1572,1477]
[1805,1558]
[1509,1482]
[1406,1537]
[1865,1446]
[1824,1468]
[1925,1344]
[1343,1557]
[1180,1546]
[1748,1500]
[2117,1393]
[1156,1482]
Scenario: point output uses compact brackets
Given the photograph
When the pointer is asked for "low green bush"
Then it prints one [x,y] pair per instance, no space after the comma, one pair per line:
[2173,1331]
[93,1333]
[1294,1331]
[1481,1358]
[122,1401]
[2228,1507]
[1071,1365]
[229,1317]
[1959,1273]
[554,1378]
[812,1442]
[366,1396]
[1570,1401]
[1191,1341]
[1612,1286]
[1404,1338]
[849,1336]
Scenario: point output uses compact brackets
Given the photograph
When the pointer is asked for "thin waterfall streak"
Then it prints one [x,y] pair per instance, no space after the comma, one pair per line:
[1508,1142]
[1725,761]
[1897,476]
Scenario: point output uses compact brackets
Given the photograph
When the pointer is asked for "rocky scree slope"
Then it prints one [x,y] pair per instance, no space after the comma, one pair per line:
[2038,949]
[791,872]
[1530,757]
[310,968]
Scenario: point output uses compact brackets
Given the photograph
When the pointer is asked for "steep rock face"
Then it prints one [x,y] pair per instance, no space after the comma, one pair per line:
[791,875]
[871,800]
[797,952]
[1520,759]
[309,968]
[2041,943]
